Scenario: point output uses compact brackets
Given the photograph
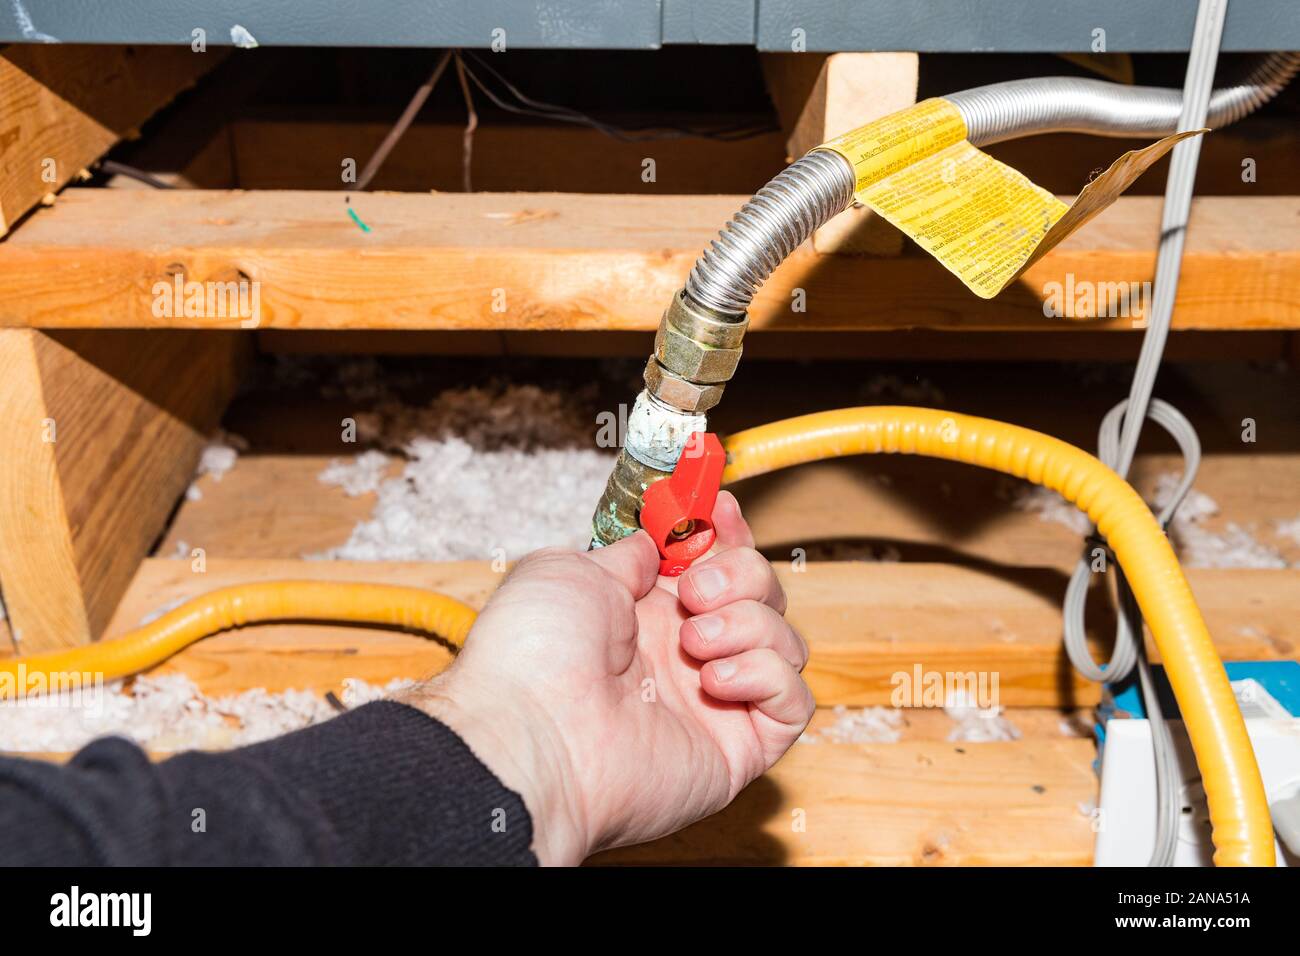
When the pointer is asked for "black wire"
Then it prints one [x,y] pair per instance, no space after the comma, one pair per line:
[626,134]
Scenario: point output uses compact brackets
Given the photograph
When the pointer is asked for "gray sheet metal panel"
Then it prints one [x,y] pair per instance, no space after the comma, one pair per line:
[923,25]
[717,22]
[1019,26]
[568,24]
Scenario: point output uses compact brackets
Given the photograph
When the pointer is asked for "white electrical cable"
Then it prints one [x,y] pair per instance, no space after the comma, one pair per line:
[1122,427]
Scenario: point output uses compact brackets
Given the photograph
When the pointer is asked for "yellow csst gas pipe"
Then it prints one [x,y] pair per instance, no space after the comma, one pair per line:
[697,350]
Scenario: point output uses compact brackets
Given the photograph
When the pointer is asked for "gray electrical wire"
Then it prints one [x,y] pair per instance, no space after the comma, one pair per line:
[1122,427]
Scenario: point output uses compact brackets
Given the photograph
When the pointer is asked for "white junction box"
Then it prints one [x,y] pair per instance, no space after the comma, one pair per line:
[1126,817]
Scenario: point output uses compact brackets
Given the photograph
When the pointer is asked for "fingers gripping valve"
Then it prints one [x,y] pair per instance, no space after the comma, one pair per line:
[678,510]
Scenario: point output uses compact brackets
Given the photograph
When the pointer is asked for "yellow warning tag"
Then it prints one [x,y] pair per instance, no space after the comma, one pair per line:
[984,221]
[894,142]
[977,216]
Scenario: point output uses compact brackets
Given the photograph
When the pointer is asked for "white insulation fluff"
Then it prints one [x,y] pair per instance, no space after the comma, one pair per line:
[974,724]
[486,474]
[217,458]
[1196,545]
[860,725]
[168,713]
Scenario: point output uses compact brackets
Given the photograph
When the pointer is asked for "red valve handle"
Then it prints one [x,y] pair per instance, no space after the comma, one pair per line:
[677,511]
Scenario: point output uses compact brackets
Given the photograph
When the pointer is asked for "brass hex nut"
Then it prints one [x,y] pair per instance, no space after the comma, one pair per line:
[702,325]
[692,360]
[677,392]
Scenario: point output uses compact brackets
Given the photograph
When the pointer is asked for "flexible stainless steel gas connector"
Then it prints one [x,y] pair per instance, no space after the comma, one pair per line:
[819,186]
[785,212]
[1060,104]
[700,338]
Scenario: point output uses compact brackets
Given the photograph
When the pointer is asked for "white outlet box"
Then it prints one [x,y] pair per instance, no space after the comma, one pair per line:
[1126,817]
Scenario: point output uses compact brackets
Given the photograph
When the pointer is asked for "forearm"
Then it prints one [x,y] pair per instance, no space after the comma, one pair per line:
[384,784]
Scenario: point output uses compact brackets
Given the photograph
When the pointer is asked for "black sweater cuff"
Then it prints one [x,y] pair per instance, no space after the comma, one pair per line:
[394,786]
[382,784]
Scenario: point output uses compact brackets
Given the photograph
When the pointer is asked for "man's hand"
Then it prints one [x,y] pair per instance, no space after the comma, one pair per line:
[623,706]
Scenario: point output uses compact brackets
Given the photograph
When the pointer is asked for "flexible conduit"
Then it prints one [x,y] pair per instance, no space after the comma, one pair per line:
[378,604]
[812,190]
[1242,830]
[1061,104]
[795,204]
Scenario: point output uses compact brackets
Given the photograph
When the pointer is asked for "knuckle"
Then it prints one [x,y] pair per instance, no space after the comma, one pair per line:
[758,571]
[752,565]
[801,647]
[770,661]
[809,702]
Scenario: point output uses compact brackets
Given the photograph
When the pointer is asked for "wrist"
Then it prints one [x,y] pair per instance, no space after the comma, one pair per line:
[521,746]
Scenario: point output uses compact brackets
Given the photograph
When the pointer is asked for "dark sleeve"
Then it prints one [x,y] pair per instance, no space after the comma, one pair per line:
[382,784]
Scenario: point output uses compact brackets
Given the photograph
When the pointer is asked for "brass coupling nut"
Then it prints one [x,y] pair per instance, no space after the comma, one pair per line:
[677,392]
[696,352]
[698,345]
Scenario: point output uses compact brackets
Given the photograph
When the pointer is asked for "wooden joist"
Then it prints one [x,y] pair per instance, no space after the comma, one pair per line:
[63,106]
[901,804]
[572,262]
[99,434]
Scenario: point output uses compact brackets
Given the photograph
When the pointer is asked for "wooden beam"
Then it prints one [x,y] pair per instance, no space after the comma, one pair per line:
[819,97]
[901,804]
[99,434]
[63,106]
[562,261]
[943,618]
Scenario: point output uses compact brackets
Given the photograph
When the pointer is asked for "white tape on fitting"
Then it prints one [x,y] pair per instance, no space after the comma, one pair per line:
[656,434]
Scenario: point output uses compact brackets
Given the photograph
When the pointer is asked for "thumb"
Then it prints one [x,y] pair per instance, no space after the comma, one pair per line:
[633,562]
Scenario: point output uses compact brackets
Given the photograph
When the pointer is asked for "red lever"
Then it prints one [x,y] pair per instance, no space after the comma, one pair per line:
[678,510]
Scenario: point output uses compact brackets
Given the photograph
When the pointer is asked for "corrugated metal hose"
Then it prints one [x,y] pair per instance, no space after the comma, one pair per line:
[814,189]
